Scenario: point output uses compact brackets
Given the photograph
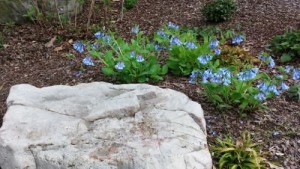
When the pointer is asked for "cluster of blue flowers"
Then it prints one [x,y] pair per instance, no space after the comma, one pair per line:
[296,74]
[88,61]
[175,41]
[204,59]
[294,71]
[248,74]
[222,76]
[135,30]
[162,34]
[100,35]
[120,66]
[214,44]
[268,59]
[159,48]
[266,89]
[238,39]
[173,26]
[139,58]
[191,45]
[79,47]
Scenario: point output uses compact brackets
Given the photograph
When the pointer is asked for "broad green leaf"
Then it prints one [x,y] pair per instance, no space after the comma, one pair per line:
[164,70]
[285,58]
[108,71]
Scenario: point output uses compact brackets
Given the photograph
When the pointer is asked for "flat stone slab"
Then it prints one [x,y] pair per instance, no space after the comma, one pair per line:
[102,126]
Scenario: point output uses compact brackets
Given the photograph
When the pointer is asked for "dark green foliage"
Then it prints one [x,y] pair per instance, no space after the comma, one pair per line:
[286,45]
[219,10]
[128,4]
[294,93]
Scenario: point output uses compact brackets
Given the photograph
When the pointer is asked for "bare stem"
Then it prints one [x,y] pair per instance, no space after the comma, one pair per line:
[90,14]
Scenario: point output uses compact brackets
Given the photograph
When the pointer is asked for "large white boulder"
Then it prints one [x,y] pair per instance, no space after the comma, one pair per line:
[102,126]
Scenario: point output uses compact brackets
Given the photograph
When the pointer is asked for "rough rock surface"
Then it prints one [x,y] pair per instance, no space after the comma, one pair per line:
[102,126]
[14,10]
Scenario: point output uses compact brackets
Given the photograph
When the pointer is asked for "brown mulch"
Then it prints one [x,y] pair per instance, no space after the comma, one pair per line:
[27,60]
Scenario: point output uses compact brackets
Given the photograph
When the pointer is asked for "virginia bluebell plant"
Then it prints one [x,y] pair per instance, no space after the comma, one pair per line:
[267,59]
[213,44]
[88,61]
[173,26]
[128,62]
[296,74]
[191,45]
[175,41]
[237,40]
[79,46]
[120,66]
[135,30]
[204,59]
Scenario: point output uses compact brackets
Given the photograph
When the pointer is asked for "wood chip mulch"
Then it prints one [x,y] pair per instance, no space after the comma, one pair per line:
[25,59]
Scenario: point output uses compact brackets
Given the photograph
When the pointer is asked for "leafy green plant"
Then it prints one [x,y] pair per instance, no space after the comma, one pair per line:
[182,47]
[128,62]
[128,4]
[34,14]
[59,39]
[9,26]
[286,45]
[213,32]
[246,90]
[226,90]
[63,19]
[239,154]
[219,10]
[183,60]
[236,56]
[294,92]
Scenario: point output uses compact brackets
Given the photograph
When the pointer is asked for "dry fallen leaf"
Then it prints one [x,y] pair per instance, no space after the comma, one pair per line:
[50,43]
[57,49]
[279,154]
[272,166]
[70,41]
[5,46]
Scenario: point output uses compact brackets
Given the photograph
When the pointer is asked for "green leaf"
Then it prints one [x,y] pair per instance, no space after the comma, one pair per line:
[235,166]
[154,69]
[164,70]
[142,79]
[217,98]
[108,71]
[236,96]
[244,104]
[285,58]
[95,54]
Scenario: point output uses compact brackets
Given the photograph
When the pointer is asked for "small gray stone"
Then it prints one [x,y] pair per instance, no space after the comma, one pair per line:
[102,126]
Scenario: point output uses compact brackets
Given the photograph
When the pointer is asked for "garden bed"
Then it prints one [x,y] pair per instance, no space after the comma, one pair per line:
[25,59]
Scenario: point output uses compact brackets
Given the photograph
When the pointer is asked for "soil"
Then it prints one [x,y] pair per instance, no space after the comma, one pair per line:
[26,59]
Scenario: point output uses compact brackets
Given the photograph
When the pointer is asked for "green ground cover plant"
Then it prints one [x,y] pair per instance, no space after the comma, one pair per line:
[219,10]
[128,4]
[287,46]
[241,153]
[229,76]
